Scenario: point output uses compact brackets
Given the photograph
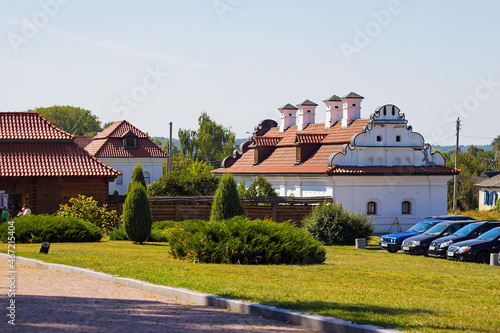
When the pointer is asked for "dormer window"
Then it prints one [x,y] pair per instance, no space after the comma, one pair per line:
[129,141]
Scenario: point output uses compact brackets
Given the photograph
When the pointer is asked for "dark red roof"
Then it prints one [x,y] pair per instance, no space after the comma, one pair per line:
[119,129]
[108,143]
[83,141]
[39,159]
[396,170]
[29,126]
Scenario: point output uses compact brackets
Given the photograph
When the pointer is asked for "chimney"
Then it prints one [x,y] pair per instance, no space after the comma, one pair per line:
[351,107]
[334,111]
[307,113]
[288,116]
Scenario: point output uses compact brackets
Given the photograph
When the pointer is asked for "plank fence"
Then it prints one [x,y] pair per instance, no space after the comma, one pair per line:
[198,207]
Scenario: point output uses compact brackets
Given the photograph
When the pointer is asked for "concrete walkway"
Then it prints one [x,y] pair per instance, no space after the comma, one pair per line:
[53,301]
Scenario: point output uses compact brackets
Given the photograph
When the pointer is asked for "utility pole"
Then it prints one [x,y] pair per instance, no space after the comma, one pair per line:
[457,149]
[169,164]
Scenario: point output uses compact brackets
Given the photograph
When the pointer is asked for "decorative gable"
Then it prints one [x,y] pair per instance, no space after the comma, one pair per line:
[388,141]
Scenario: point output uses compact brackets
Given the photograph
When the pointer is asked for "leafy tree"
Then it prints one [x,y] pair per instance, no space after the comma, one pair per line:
[88,209]
[496,144]
[260,187]
[137,176]
[74,120]
[226,202]
[137,217]
[211,143]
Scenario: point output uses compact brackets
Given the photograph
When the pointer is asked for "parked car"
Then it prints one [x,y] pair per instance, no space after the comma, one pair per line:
[439,247]
[392,242]
[419,244]
[478,249]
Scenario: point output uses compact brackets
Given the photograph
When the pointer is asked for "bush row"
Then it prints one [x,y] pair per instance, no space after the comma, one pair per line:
[49,228]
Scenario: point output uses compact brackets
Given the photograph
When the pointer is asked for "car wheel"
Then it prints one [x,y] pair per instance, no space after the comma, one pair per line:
[392,250]
[426,252]
[483,257]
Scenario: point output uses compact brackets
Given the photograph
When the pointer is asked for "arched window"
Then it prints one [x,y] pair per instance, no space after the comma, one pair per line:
[398,161]
[147,177]
[398,138]
[406,207]
[379,138]
[371,208]
[119,179]
[486,197]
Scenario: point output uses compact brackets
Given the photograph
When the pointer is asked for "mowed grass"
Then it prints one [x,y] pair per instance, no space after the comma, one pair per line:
[408,293]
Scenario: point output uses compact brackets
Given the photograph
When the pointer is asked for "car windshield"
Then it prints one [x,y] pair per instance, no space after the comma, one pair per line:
[421,226]
[490,235]
[437,229]
[467,229]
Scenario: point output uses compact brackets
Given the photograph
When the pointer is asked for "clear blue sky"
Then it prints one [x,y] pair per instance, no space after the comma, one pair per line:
[239,60]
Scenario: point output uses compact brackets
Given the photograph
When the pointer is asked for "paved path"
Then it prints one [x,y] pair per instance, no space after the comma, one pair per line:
[52,301]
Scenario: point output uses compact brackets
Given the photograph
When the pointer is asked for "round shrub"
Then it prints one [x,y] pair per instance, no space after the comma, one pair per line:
[137,217]
[226,202]
[332,224]
[54,229]
[243,241]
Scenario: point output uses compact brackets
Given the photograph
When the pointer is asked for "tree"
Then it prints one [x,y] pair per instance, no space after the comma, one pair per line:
[211,143]
[74,120]
[137,176]
[226,202]
[260,187]
[496,144]
[137,217]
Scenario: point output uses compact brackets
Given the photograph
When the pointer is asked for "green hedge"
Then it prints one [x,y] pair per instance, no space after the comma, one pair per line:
[332,224]
[242,241]
[49,228]
[158,231]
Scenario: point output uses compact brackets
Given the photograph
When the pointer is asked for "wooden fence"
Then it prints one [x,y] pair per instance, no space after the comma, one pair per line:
[188,208]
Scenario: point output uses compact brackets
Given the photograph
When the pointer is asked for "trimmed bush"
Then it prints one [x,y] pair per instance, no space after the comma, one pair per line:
[332,224]
[118,233]
[242,241]
[137,217]
[226,202]
[54,229]
[137,176]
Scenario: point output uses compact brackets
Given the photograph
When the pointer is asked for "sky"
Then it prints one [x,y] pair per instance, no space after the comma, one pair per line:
[152,62]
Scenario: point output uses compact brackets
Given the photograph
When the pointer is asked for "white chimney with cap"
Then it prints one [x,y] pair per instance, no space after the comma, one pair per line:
[351,107]
[307,114]
[288,116]
[334,111]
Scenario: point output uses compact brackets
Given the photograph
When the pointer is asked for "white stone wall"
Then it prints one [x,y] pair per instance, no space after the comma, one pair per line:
[482,193]
[154,166]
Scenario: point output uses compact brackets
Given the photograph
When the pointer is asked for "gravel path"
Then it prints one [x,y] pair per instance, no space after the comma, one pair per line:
[52,301]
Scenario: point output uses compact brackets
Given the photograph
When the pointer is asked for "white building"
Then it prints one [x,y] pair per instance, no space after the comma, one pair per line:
[378,165]
[489,189]
[122,146]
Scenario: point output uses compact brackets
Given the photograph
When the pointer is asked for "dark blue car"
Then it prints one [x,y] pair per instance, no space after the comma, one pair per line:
[392,242]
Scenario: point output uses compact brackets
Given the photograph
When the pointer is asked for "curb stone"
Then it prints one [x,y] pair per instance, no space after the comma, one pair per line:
[323,324]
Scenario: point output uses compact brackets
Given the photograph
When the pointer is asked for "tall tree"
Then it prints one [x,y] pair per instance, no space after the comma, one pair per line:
[137,216]
[137,176]
[74,120]
[211,143]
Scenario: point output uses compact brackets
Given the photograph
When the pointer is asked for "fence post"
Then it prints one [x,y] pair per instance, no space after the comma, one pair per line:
[274,207]
[494,259]
[177,212]
[361,243]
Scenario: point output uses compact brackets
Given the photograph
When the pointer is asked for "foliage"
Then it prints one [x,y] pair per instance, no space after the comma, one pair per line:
[49,228]
[74,120]
[137,217]
[87,209]
[163,144]
[332,224]
[472,164]
[118,233]
[481,215]
[178,185]
[115,192]
[226,202]
[260,187]
[137,176]
[242,241]
[211,143]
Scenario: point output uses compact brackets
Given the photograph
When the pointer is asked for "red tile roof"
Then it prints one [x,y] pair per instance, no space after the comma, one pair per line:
[119,129]
[313,138]
[51,159]
[108,143]
[397,170]
[29,126]
[266,141]
[83,141]
[113,147]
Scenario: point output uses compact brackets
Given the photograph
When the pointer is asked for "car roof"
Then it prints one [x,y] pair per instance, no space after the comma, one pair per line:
[451,218]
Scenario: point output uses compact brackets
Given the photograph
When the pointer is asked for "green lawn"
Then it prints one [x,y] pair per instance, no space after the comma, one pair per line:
[409,293]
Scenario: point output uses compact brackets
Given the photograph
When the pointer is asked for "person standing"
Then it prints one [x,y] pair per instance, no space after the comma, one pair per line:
[5,215]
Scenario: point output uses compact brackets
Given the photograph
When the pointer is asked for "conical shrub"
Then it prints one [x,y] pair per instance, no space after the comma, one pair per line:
[137,176]
[137,217]
[226,202]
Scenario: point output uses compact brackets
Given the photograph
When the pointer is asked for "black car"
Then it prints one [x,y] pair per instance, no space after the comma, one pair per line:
[478,249]
[419,244]
[439,247]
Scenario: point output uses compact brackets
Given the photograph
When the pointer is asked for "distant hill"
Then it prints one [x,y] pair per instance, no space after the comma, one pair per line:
[462,148]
